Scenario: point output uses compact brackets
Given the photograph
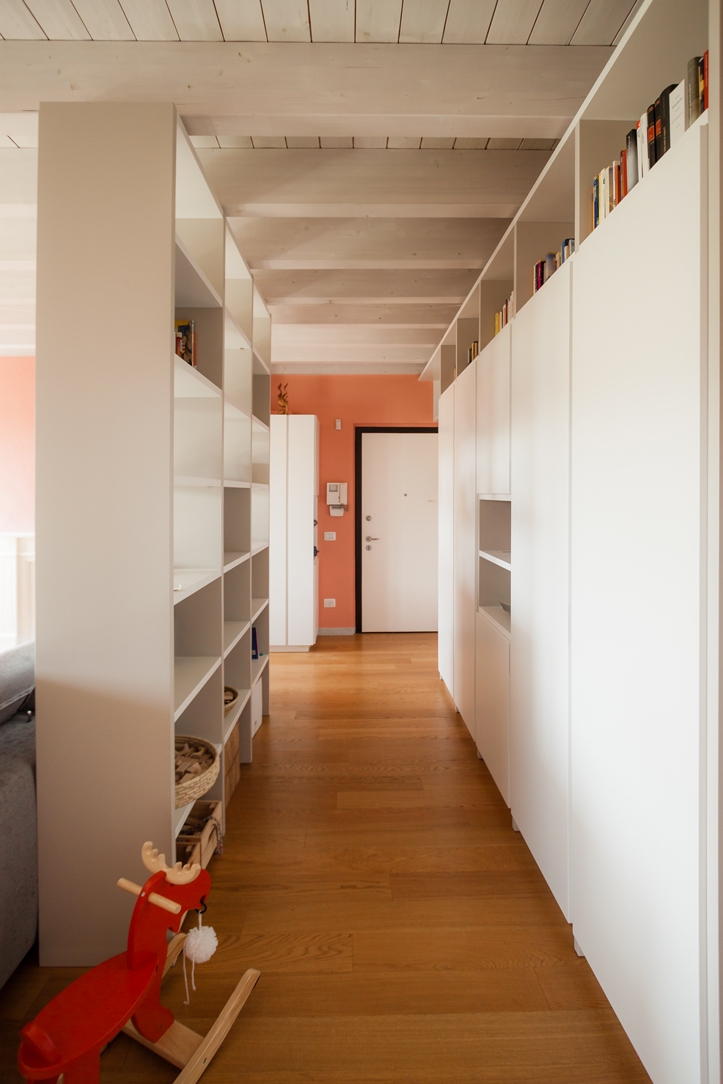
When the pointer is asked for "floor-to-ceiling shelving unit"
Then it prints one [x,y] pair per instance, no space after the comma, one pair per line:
[595,702]
[153,497]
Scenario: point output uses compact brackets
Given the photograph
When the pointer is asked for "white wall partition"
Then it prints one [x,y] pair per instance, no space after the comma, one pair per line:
[445,497]
[637,604]
[539,674]
[465,513]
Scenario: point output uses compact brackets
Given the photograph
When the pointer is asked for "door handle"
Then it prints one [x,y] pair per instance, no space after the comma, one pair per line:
[370,539]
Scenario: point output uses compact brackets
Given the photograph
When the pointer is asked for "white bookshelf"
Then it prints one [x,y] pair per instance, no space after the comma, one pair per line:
[601,430]
[163,469]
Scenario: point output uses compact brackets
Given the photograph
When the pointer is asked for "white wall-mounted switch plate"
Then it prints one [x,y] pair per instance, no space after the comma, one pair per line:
[330,536]
[329,602]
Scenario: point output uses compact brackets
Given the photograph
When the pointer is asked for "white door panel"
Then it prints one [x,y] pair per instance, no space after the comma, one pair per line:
[399,532]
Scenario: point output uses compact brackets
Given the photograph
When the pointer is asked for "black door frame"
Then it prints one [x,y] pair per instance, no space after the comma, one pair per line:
[359,430]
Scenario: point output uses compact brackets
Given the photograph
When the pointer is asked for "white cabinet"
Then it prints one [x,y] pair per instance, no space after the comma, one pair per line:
[539,670]
[465,554]
[638,594]
[492,700]
[493,415]
[445,496]
[294,464]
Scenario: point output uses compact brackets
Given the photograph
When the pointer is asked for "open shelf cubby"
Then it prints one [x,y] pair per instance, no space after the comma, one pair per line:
[495,530]
[494,560]
[259,516]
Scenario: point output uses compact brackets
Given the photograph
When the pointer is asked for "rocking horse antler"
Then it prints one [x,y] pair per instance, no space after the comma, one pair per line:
[156,863]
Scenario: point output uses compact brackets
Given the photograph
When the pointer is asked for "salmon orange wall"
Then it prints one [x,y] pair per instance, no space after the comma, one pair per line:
[357,400]
[17,444]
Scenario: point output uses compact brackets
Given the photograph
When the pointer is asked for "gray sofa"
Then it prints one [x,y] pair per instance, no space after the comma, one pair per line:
[18,820]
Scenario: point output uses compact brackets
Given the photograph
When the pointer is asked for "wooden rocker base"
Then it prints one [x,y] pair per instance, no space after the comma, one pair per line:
[186,1049]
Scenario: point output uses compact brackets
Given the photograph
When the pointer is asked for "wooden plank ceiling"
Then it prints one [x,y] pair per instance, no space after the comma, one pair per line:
[369,153]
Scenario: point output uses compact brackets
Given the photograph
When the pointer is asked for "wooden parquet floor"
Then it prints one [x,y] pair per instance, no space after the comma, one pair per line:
[403,930]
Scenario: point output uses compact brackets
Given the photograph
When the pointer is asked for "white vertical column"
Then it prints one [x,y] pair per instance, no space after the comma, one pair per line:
[539,655]
[465,553]
[278,530]
[104,514]
[445,636]
[302,489]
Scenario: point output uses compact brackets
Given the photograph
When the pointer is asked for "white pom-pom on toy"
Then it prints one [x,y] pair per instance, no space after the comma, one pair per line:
[199,947]
[200,944]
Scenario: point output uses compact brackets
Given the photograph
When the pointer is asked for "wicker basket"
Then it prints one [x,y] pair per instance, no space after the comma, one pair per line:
[229,705]
[194,788]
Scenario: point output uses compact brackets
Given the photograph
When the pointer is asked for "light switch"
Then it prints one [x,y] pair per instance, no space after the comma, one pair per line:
[329,602]
[330,536]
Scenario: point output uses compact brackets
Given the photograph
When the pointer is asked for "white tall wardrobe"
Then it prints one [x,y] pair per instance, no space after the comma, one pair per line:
[590,681]
[293,552]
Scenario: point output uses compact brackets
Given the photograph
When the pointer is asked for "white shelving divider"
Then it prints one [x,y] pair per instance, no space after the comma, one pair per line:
[149,462]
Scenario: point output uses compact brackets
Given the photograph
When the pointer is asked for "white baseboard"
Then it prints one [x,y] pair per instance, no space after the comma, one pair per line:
[289,647]
[336,632]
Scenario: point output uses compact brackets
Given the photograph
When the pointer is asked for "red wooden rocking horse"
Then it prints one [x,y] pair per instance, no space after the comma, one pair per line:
[123,993]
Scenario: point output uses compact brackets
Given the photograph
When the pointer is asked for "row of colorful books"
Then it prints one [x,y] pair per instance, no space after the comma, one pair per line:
[186,341]
[503,317]
[472,352]
[659,129]
[545,269]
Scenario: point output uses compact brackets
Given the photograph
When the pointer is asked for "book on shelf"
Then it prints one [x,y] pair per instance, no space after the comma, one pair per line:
[545,269]
[650,128]
[186,341]
[472,352]
[505,314]
[659,128]
[254,643]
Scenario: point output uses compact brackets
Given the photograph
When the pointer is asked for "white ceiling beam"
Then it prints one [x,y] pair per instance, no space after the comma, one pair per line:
[295,243]
[290,337]
[270,88]
[406,355]
[365,287]
[376,315]
[371,184]
[354,368]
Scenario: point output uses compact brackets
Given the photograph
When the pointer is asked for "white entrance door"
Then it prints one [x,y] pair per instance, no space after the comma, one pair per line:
[399,532]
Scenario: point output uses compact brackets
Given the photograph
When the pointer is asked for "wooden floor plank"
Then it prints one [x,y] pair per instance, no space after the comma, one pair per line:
[370,871]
